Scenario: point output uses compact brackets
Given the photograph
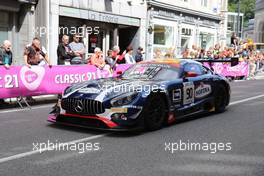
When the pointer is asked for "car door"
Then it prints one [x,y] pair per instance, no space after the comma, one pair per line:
[196,83]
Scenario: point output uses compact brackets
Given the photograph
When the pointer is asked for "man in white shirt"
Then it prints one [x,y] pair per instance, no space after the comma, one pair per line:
[129,57]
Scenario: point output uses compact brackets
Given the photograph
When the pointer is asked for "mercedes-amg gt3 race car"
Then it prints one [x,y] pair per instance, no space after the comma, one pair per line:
[147,95]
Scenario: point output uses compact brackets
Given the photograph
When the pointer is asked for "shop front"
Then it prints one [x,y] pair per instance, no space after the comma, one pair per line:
[164,37]
[174,30]
[99,29]
[208,37]
[16,21]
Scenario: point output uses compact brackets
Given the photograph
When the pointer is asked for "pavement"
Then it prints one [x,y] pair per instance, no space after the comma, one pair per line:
[37,100]
[240,129]
[260,76]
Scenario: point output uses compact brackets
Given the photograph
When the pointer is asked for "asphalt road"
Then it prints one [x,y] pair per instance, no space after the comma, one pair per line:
[241,127]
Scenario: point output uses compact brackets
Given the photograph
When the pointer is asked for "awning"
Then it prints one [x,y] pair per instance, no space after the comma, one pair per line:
[14,5]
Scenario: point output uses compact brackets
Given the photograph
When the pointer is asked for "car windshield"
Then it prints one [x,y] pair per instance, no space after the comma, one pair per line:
[151,72]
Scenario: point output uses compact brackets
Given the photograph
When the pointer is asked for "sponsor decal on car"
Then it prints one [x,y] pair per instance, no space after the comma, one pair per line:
[119,110]
[176,95]
[203,90]
[188,93]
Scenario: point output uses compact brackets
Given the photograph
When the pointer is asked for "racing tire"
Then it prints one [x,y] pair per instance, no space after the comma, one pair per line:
[220,99]
[154,113]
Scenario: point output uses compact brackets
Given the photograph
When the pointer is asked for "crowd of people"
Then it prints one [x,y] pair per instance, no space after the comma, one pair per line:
[69,53]
[74,53]
[244,51]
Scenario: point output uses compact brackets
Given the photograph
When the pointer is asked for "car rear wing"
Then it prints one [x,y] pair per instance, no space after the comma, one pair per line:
[233,60]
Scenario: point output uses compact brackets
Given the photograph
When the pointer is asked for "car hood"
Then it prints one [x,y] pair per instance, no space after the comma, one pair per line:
[102,89]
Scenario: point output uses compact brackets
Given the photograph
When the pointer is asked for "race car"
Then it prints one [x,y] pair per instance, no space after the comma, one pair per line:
[148,95]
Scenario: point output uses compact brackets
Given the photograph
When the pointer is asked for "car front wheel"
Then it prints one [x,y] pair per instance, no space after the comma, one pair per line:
[154,112]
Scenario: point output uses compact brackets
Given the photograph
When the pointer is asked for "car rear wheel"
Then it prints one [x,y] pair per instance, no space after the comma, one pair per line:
[220,99]
[154,113]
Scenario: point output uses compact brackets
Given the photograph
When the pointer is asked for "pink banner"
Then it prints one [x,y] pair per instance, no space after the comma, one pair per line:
[23,81]
[226,70]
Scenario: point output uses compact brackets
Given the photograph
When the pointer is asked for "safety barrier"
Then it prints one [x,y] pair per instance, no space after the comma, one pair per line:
[21,81]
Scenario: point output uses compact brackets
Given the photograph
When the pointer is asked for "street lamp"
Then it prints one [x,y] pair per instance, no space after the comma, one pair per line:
[238,18]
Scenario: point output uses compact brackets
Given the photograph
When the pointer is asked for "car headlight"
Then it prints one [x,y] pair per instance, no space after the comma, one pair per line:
[124,99]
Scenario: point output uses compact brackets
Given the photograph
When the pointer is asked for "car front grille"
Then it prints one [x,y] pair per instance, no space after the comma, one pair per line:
[82,106]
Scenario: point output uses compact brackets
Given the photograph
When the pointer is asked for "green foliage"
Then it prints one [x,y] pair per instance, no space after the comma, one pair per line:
[247,7]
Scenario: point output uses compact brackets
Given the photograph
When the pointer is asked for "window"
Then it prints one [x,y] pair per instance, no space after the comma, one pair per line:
[4,26]
[204,3]
[186,31]
[163,35]
[206,70]
[191,67]
[186,34]
[3,34]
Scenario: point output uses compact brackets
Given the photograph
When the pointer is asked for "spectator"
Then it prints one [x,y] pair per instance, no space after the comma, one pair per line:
[209,55]
[98,61]
[194,52]
[109,60]
[252,66]
[6,54]
[116,56]
[186,53]
[78,49]
[261,60]
[157,53]
[34,54]
[170,53]
[216,51]
[139,55]
[234,40]
[64,52]
[129,57]
[5,60]
[202,54]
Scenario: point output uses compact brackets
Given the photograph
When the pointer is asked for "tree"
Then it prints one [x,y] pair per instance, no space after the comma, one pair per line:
[247,7]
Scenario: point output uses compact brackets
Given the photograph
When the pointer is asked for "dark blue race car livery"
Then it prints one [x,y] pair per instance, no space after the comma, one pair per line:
[148,95]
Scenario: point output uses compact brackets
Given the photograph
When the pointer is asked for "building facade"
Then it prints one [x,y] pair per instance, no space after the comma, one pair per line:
[248,31]
[165,25]
[174,25]
[232,25]
[259,22]
[102,23]
[16,24]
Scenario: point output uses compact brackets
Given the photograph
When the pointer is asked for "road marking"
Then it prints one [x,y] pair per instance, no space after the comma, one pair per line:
[246,99]
[22,155]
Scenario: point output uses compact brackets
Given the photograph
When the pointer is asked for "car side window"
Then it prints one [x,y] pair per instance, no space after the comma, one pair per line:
[192,67]
[206,70]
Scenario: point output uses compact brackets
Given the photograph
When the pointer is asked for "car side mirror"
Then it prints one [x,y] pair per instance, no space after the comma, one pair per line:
[190,74]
